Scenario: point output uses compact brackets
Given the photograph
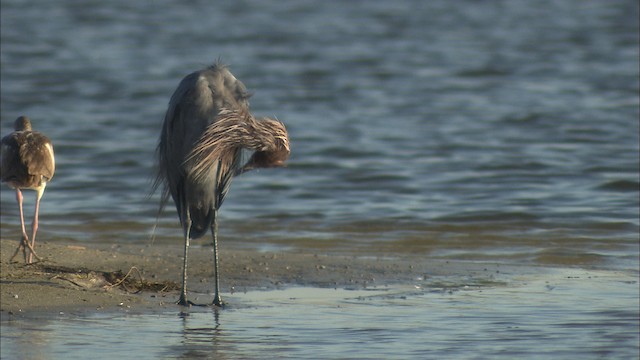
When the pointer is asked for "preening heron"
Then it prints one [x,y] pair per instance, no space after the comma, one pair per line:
[206,127]
[27,163]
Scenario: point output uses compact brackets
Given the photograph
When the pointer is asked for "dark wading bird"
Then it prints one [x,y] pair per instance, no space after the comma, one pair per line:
[27,163]
[206,130]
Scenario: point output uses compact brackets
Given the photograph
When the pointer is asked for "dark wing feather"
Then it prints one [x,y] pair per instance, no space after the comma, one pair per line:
[27,157]
[10,166]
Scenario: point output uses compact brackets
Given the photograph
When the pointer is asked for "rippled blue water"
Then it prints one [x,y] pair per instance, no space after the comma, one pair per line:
[493,127]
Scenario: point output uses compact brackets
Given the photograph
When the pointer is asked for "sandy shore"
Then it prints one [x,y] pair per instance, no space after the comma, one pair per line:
[92,277]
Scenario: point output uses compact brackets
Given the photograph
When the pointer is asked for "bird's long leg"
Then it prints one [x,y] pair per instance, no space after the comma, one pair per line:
[35,228]
[183,294]
[217,301]
[24,242]
[25,238]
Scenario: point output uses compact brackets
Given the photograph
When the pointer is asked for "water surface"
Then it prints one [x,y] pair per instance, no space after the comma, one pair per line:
[429,126]
[559,314]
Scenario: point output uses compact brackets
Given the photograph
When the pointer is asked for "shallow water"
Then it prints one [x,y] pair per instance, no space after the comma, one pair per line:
[568,314]
[423,126]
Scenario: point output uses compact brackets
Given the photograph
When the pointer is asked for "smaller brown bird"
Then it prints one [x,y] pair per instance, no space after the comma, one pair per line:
[27,162]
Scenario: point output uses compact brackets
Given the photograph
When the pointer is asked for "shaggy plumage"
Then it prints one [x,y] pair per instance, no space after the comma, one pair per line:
[206,129]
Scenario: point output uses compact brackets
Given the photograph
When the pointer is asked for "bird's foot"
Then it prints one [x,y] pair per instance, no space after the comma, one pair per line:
[24,245]
[33,253]
[217,301]
[184,302]
[187,303]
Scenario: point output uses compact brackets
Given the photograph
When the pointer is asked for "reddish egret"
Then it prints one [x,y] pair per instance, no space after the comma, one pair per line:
[27,163]
[206,128]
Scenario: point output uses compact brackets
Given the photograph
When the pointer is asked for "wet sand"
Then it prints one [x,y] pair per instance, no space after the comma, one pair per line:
[93,277]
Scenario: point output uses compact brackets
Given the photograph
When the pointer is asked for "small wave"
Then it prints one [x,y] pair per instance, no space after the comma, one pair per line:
[481,216]
[620,185]
[486,71]
[569,257]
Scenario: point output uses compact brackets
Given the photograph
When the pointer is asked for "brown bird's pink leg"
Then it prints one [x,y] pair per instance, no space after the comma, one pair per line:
[25,239]
[24,242]
[34,229]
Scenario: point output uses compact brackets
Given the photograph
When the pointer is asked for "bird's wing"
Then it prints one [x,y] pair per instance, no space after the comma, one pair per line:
[36,153]
[9,162]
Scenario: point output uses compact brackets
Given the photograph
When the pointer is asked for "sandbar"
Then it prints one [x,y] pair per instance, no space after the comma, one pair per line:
[83,277]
